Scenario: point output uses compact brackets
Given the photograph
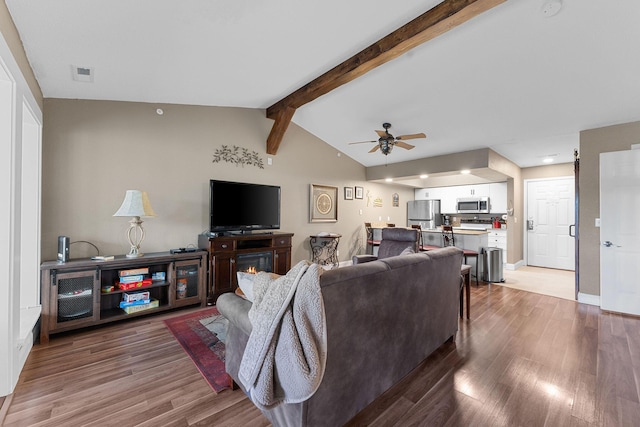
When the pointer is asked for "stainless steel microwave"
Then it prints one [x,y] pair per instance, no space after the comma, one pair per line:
[473,205]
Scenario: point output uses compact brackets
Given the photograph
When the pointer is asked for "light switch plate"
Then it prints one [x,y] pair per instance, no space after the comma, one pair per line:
[597,222]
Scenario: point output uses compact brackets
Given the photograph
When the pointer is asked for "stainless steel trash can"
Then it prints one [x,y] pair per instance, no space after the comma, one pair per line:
[492,265]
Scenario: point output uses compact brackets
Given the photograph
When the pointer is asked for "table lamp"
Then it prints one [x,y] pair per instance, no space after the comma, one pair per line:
[136,204]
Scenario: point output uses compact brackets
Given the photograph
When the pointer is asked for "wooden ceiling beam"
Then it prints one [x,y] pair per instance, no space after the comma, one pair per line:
[282,119]
[436,21]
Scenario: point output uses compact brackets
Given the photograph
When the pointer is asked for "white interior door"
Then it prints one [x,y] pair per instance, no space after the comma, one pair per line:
[620,231]
[550,212]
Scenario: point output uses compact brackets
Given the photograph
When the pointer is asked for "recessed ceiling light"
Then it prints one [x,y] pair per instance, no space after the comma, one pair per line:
[159,111]
[465,171]
[389,180]
[424,176]
[547,160]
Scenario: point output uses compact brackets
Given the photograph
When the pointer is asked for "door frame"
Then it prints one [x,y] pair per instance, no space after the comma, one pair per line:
[525,238]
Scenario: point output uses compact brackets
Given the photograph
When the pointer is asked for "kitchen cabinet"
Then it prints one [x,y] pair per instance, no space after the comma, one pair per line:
[434,193]
[498,239]
[497,193]
[474,190]
[498,197]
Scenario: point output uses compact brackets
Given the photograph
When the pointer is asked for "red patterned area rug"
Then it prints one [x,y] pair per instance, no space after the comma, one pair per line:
[201,334]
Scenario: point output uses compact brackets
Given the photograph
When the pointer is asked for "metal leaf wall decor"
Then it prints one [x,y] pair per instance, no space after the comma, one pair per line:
[238,156]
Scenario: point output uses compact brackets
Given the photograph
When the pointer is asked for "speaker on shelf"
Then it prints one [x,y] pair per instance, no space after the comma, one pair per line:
[63,249]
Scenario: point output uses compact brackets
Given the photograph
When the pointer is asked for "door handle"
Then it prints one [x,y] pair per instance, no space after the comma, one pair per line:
[574,229]
[609,244]
[530,224]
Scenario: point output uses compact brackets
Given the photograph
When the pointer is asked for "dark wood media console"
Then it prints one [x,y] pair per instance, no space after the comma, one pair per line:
[82,292]
[231,253]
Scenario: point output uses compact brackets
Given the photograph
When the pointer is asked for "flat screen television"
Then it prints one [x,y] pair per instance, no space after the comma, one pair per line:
[242,207]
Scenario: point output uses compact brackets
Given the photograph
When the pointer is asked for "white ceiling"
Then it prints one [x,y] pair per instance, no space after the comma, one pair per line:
[511,79]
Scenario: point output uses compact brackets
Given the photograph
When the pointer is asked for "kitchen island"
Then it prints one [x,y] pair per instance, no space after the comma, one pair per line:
[473,240]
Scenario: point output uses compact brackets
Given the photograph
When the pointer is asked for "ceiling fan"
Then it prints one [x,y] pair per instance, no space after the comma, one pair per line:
[387,141]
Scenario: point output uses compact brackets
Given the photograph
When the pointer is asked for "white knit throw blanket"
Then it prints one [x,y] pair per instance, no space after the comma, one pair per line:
[285,357]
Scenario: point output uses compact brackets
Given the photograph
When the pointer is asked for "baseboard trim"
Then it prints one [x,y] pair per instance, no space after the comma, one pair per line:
[4,408]
[515,266]
[589,299]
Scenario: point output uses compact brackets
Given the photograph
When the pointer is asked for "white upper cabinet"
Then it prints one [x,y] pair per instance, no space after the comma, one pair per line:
[435,193]
[474,190]
[498,197]
[497,192]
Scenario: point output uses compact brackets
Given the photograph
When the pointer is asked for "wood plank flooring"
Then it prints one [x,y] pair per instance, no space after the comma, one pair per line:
[523,359]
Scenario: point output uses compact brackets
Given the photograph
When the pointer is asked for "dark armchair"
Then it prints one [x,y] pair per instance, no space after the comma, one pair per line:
[394,242]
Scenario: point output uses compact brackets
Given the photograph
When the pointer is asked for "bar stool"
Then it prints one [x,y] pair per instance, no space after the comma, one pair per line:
[448,239]
[370,241]
[472,254]
[422,247]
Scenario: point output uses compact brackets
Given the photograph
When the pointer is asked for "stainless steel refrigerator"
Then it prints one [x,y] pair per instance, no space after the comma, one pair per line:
[424,212]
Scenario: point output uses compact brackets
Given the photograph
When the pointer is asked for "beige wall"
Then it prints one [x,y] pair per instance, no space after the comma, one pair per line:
[592,143]
[550,171]
[95,150]
[11,36]
[515,200]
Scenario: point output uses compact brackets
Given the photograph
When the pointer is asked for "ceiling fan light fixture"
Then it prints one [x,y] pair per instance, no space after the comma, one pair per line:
[386,147]
[386,142]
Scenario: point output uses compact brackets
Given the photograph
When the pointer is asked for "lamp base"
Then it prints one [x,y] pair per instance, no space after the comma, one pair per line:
[134,252]
[134,255]
[135,234]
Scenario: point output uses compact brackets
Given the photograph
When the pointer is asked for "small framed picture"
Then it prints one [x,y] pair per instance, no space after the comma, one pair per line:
[323,203]
[359,193]
[348,193]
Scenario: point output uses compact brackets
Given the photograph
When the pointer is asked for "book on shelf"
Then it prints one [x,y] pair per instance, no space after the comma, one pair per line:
[134,271]
[135,296]
[154,303]
[134,278]
[133,285]
[124,304]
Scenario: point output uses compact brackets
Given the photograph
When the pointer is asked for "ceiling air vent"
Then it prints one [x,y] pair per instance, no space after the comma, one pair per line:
[82,74]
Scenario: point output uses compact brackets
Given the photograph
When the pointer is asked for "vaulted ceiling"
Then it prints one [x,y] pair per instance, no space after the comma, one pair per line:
[513,78]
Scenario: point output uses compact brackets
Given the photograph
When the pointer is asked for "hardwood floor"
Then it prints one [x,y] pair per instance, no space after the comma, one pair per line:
[522,359]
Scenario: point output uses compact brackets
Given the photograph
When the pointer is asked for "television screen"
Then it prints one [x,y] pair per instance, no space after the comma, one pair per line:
[239,206]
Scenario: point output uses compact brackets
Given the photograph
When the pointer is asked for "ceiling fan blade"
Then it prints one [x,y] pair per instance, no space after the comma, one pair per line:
[373,150]
[404,145]
[361,142]
[381,133]
[412,136]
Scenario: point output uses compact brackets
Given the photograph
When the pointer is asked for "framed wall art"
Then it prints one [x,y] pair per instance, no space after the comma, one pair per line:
[359,193]
[323,203]
[348,193]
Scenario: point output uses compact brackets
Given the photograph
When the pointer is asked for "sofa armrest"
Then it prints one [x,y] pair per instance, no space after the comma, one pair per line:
[361,259]
[236,310]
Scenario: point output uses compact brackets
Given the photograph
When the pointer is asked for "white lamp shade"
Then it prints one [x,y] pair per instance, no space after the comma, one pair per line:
[136,203]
